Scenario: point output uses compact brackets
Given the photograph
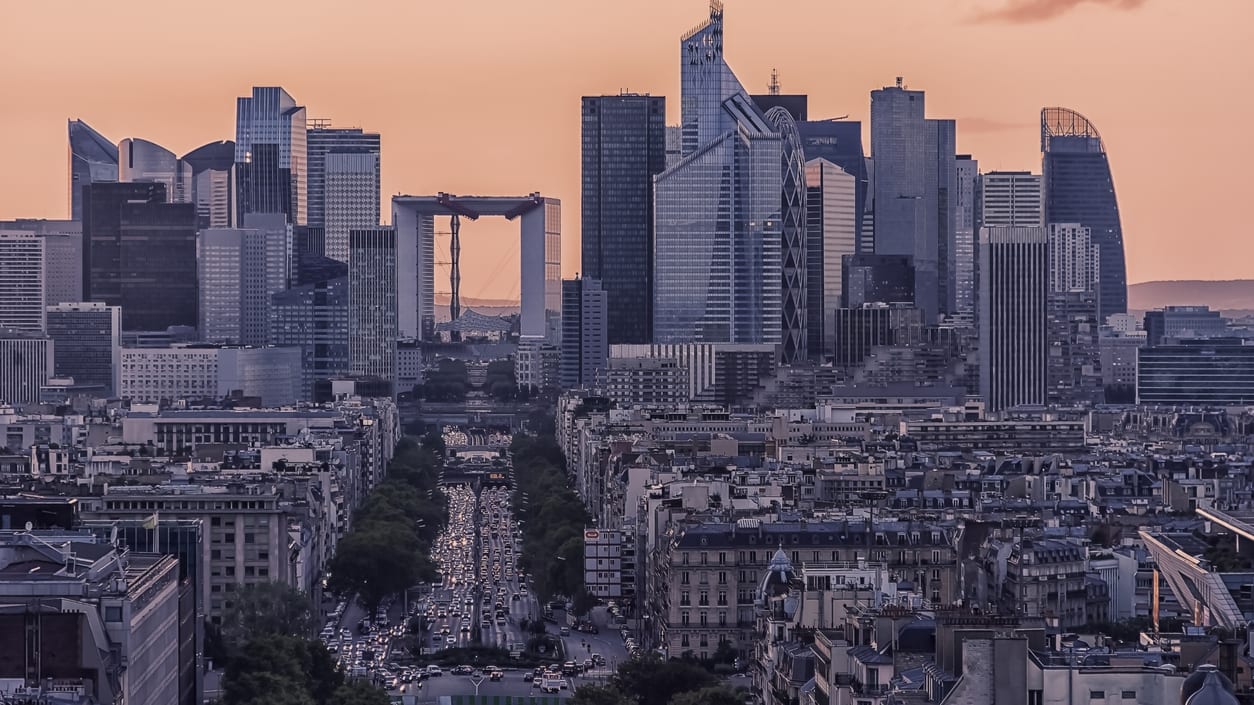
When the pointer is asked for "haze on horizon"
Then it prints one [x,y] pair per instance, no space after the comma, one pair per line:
[483,96]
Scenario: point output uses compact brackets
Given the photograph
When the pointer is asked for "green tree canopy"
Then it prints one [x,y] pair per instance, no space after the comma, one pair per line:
[710,695]
[267,609]
[654,681]
[281,669]
[357,692]
[599,694]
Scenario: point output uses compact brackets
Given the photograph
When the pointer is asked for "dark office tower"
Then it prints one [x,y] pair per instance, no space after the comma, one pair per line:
[270,155]
[344,183]
[966,225]
[1075,365]
[624,146]
[943,182]
[139,253]
[840,142]
[797,104]
[1014,290]
[314,317]
[212,184]
[877,279]
[93,159]
[584,348]
[372,299]
[86,344]
[792,212]
[1079,189]
[857,330]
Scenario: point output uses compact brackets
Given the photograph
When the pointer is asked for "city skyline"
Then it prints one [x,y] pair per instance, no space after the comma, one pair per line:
[440,135]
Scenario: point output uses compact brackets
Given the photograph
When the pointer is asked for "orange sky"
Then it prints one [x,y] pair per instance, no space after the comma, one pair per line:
[482,96]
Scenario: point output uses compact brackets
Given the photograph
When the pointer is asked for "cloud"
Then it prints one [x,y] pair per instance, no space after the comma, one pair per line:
[1025,11]
[982,124]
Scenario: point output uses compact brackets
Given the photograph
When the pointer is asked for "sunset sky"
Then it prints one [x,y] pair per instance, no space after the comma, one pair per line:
[482,96]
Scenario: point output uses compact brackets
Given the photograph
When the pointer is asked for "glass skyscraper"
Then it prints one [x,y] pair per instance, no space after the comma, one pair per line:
[93,158]
[718,233]
[623,147]
[1079,189]
[840,142]
[372,303]
[793,223]
[343,183]
[270,155]
[212,186]
[831,234]
[1014,290]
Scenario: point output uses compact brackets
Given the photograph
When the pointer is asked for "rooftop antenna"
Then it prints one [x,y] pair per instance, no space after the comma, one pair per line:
[773,87]
[900,82]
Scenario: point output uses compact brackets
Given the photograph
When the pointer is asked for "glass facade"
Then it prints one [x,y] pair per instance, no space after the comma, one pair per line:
[372,302]
[623,147]
[93,158]
[718,236]
[966,225]
[139,253]
[1212,372]
[343,183]
[212,183]
[831,233]
[793,299]
[840,142]
[270,155]
[1014,342]
[313,317]
[1079,189]
[85,339]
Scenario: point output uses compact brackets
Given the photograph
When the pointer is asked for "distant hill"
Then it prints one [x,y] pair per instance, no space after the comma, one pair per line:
[441,299]
[1232,295]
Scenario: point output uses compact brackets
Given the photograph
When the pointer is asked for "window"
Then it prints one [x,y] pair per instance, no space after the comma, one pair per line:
[250,538]
[228,538]
[1097,695]
[1128,695]
[683,578]
[683,599]
[722,577]
[113,614]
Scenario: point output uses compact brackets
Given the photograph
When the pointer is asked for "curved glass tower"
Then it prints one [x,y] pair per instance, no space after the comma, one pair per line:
[141,160]
[793,223]
[213,183]
[92,159]
[1079,189]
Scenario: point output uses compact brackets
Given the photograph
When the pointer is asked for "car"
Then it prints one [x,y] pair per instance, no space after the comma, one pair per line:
[496,675]
[550,685]
[564,631]
[528,677]
[434,671]
[462,670]
[563,684]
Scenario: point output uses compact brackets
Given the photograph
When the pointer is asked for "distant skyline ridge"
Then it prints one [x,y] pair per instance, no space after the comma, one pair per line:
[1219,294]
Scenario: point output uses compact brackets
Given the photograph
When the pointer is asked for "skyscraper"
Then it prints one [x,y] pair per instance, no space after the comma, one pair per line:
[139,253]
[212,184]
[913,182]
[21,281]
[86,341]
[840,142]
[372,302]
[718,235]
[1014,288]
[63,256]
[831,233]
[966,224]
[1074,261]
[313,317]
[240,269]
[584,333]
[28,364]
[141,160]
[1010,198]
[344,183]
[93,159]
[623,147]
[1079,189]
[793,225]
[270,155]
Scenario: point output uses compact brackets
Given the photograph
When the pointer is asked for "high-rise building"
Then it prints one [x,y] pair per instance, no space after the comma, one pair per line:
[21,281]
[86,340]
[211,184]
[1014,288]
[1011,198]
[240,269]
[1074,261]
[93,159]
[1075,355]
[585,305]
[840,142]
[623,147]
[139,253]
[914,189]
[793,264]
[372,297]
[831,234]
[344,183]
[28,364]
[1078,188]
[674,145]
[270,155]
[63,256]
[718,260]
[966,225]
[1183,322]
[141,160]
[314,317]
[877,279]
[855,331]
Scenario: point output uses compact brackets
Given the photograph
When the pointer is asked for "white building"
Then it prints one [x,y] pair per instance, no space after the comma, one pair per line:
[205,372]
[1012,198]
[239,269]
[1074,259]
[21,281]
[831,233]
[602,562]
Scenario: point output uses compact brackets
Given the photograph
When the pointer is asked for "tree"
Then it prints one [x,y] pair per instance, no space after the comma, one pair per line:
[359,692]
[283,670]
[599,694]
[377,562]
[267,609]
[654,681]
[711,695]
[582,603]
